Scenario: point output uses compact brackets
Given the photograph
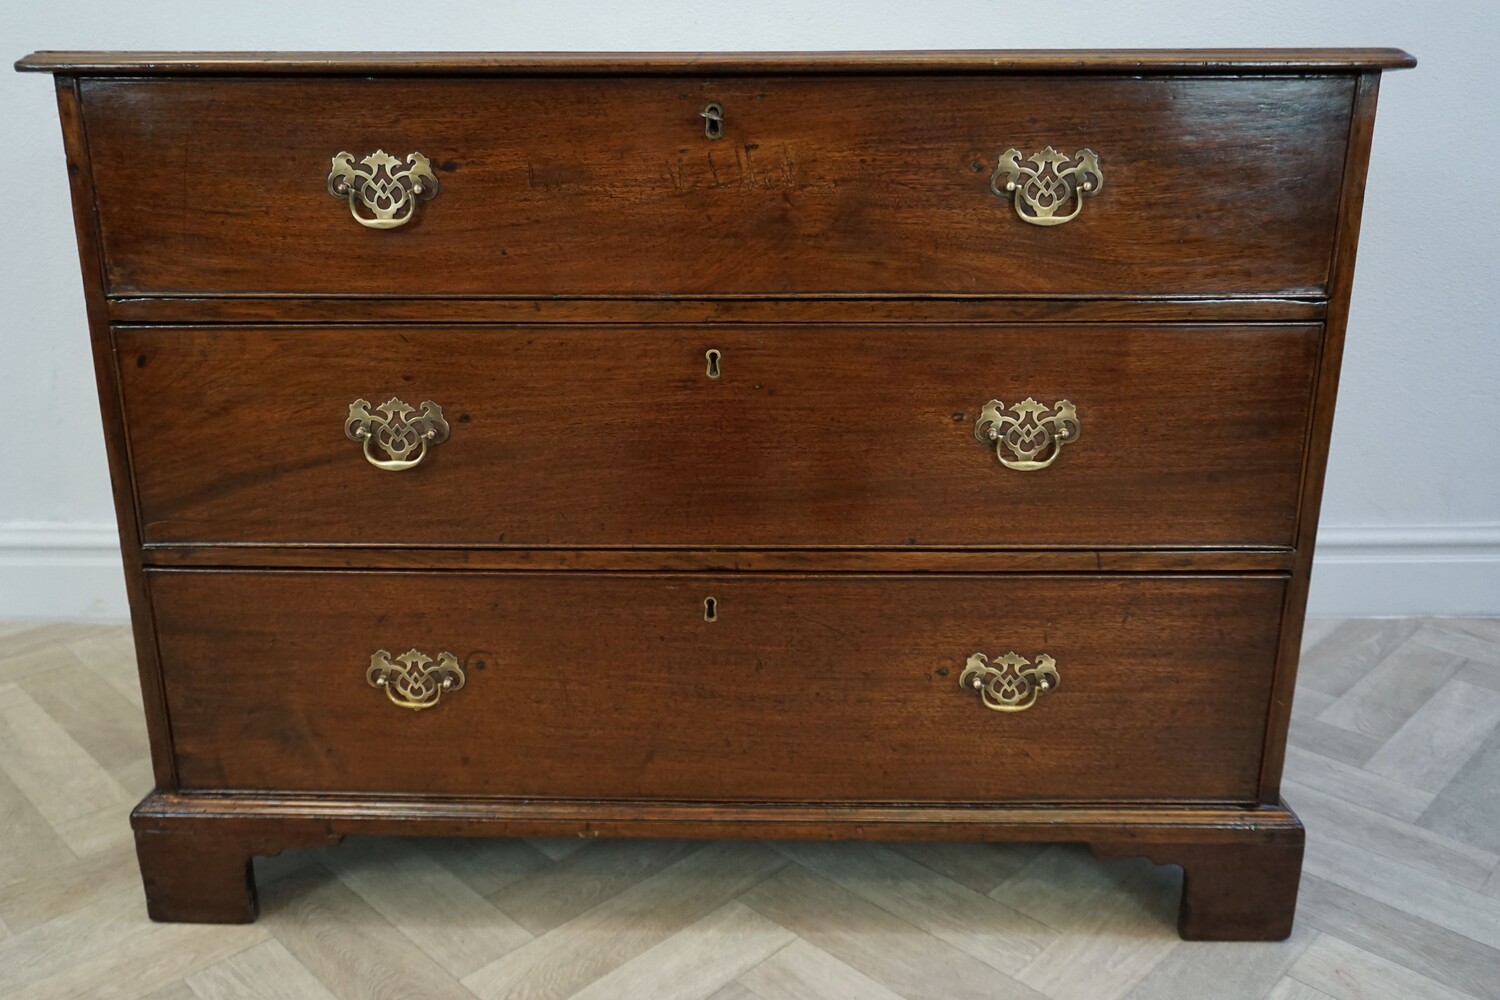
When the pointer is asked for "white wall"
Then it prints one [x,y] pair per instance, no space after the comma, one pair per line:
[1412,512]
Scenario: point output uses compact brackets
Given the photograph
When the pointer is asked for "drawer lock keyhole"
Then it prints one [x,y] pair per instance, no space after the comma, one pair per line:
[713,355]
[710,609]
[713,120]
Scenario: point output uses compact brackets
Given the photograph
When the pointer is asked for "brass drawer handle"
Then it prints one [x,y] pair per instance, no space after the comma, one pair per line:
[1010,683]
[1040,191]
[394,430]
[1034,430]
[381,191]
[414,680]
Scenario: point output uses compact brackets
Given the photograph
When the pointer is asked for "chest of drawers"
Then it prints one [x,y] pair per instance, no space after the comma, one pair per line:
[900,445]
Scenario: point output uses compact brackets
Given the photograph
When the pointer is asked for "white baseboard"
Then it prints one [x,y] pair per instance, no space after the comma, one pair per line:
[61,572]
[1399,570]
[52,572]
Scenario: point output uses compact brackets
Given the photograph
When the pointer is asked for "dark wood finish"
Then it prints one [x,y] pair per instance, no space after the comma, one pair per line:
[974,61]
[90,258]
[197,877]
[806,688]
[823,560]
[1351,206]
[606,436]
[1240,865]
[842,243]
[332,813]
[1241,891]
[841,310]
[203,875]
[574,186]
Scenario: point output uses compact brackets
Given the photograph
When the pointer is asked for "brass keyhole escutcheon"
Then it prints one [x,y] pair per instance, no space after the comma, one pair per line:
[713,120]
[710,609]
[713,354]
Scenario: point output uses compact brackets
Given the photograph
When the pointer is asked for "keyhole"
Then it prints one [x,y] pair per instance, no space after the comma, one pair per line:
[713,355]
[710,609]
[713,120]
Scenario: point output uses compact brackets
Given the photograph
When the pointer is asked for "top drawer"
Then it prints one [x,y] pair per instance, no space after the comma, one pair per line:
[591,186]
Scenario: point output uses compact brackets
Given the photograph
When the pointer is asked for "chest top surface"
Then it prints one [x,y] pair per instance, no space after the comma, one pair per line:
[1274,60]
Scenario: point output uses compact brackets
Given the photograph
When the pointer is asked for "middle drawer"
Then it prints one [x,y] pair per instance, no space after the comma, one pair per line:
[733,436]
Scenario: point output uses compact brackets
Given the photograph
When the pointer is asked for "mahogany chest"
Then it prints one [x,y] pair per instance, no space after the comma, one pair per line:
[898,445]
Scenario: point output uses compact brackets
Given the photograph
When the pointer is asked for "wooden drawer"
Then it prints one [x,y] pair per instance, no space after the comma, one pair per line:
[804,688]
[1211,186]
[811,436]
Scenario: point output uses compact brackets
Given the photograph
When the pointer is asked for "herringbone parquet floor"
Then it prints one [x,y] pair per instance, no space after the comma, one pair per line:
[1394,766]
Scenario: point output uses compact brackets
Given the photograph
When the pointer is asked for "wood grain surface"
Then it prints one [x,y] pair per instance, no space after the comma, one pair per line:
[758,309]
[589,186]
[600,436]
[804,688]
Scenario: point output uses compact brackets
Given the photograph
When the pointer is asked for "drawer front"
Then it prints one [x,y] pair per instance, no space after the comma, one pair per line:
[808,437]
[612,187]
[803,688]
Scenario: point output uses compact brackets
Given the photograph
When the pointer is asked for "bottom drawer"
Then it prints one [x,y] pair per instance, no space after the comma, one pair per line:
[806,688]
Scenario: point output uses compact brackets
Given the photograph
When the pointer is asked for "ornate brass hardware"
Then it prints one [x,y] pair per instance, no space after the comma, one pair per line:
[394,430]
[1039,192]
[1010,683]
[713,120]
[713,355]
[382,187]
[414,680]
[1033,431]
[710,609]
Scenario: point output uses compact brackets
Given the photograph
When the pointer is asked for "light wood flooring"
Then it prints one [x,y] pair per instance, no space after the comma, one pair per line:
[1394,765]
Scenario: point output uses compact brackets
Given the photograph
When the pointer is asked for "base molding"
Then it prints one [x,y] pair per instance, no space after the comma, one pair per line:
[481,817]
[1241,864]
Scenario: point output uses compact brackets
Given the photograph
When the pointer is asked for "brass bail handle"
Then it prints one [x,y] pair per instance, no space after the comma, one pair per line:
[414,680]
[382,190]
[397,430]
[1041,185]
[1009,683]
[1028,435]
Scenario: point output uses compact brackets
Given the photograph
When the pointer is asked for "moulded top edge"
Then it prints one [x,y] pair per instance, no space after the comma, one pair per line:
[1000,61]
